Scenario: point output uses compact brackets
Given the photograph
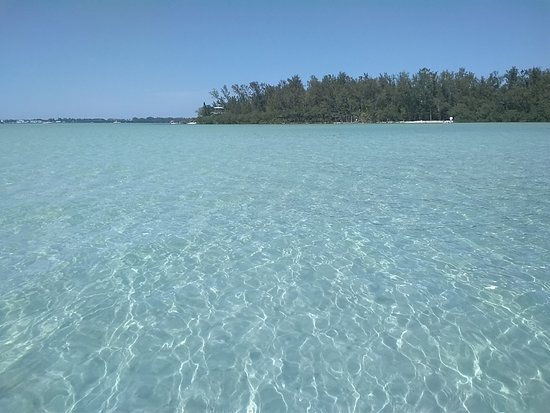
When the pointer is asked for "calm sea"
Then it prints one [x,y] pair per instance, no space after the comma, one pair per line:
[334,268]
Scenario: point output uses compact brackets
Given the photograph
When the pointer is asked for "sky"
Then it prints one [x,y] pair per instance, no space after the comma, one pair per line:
[137,58]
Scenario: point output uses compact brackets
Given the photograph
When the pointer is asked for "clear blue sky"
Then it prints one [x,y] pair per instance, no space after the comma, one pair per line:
[125,58]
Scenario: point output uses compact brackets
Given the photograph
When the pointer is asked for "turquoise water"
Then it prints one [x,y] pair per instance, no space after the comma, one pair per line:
[336,268]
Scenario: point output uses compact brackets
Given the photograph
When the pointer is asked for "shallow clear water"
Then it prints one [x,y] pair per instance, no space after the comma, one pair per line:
[275,268]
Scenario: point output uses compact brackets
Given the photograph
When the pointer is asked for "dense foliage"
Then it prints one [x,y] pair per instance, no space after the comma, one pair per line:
[426,95]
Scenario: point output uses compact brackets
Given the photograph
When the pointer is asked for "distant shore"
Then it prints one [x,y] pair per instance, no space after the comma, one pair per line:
[150,119]
[191,121]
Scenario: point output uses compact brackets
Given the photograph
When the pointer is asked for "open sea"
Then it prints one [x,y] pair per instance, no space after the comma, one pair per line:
[312,268]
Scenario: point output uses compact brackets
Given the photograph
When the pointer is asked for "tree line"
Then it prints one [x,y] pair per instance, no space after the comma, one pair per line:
[515,96]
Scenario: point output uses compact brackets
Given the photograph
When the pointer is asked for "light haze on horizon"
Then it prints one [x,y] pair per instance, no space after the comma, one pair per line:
[120,59]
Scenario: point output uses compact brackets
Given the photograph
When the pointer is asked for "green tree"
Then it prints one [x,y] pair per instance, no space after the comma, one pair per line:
[515,96]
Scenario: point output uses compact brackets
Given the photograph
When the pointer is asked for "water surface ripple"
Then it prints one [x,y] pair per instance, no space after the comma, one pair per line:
[361,268]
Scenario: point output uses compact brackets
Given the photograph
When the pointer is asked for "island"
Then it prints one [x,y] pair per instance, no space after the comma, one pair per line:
[424,97]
